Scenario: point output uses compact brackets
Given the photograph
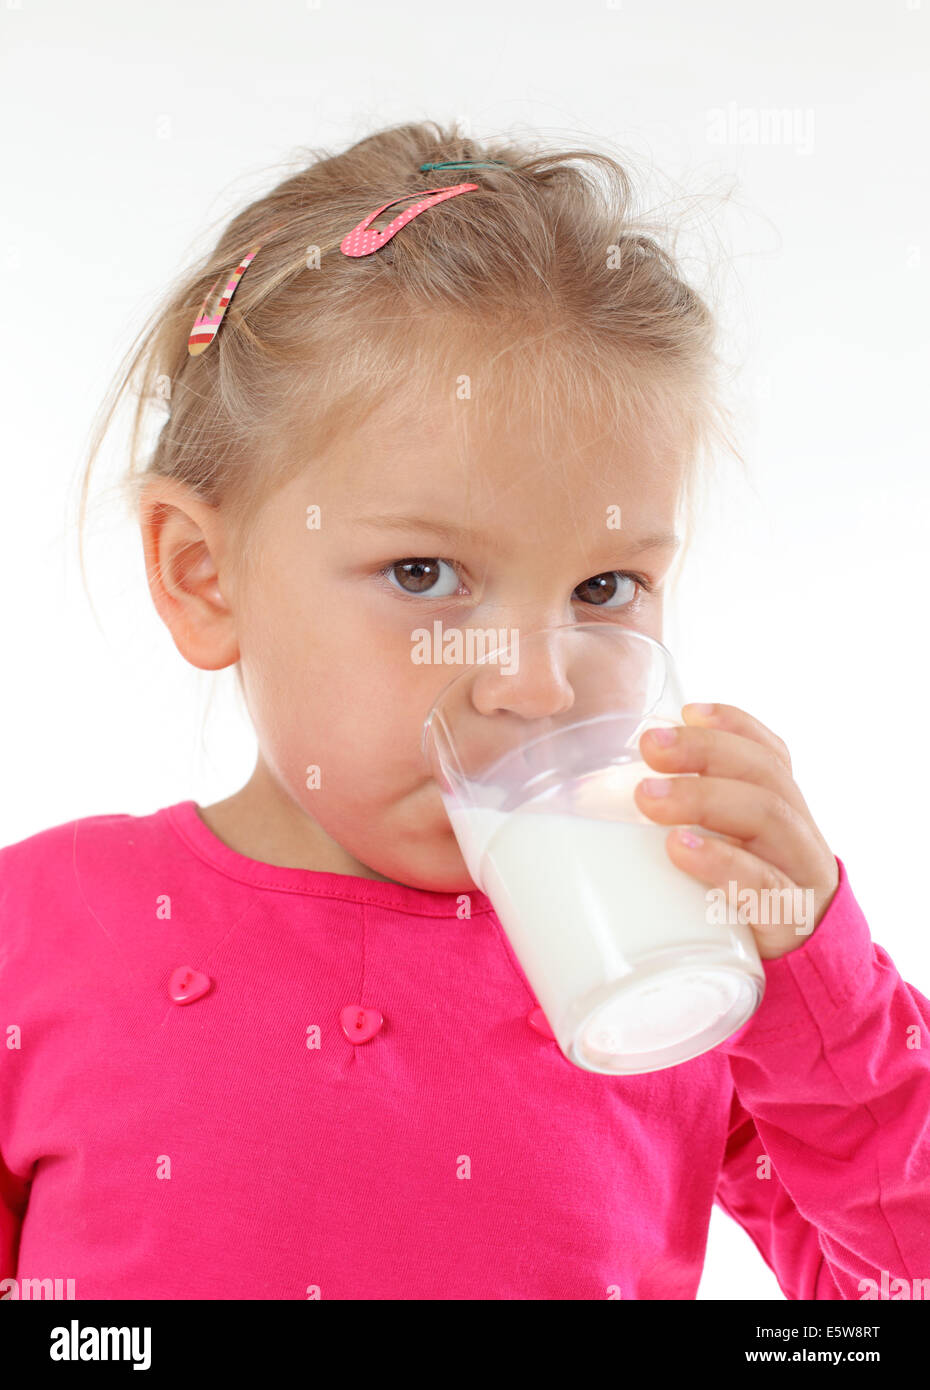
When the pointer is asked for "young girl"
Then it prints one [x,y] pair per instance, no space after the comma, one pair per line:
[258,1049]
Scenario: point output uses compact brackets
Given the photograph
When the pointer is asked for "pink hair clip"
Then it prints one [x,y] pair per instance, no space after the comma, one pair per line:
[206,326]
[361,241]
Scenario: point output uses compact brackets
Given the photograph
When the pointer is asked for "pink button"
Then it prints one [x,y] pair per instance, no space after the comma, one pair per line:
[537,1019]
[360,1024]
[187,984]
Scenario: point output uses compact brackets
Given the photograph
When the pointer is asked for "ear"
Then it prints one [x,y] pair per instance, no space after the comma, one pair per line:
[184,542]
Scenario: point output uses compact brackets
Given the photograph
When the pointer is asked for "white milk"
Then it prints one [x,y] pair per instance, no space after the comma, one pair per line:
[584,899]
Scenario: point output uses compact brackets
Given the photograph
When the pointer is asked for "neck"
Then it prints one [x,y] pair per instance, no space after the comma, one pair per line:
[263,822]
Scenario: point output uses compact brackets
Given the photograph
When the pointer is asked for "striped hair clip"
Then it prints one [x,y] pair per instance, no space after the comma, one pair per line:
[362,240]
[206,326]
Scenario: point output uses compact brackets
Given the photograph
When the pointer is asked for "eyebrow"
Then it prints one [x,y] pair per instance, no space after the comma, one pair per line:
[449,532]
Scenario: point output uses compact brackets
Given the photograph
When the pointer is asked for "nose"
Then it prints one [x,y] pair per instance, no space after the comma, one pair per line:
[529,680]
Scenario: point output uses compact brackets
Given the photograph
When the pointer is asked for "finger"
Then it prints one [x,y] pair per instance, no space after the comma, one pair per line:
[720,753]
[737,721]
[780,912]
[763,822]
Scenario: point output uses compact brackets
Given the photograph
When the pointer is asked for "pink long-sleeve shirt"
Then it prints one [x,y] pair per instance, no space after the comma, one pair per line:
[155,1149]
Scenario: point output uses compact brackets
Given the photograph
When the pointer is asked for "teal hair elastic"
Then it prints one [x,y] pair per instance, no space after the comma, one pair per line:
[462,164]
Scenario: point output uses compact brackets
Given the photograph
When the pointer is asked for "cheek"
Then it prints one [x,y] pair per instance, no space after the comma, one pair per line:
[333,683]
[352,703]
[373,728]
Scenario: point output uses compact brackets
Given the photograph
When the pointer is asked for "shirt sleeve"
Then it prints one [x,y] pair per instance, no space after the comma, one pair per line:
[831,1083]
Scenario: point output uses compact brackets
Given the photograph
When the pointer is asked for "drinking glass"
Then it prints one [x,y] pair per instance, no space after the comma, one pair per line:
[535,749]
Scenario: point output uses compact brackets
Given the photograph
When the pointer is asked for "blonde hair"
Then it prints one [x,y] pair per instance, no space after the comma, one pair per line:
[542,287]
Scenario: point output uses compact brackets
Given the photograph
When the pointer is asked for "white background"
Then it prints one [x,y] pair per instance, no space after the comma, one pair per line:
[131,128]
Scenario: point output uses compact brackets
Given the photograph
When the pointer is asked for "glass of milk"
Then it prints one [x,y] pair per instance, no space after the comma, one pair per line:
[535,749]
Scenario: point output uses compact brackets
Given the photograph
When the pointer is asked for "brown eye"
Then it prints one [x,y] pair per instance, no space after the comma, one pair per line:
[603,589]
[420,576]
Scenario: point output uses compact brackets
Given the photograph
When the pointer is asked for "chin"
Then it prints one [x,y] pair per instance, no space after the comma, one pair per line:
[432,858]
[455,881]
[446,873]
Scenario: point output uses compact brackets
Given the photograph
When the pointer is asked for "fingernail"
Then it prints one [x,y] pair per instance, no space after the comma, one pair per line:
[657,786]
[663,737]
[703,709]
[688,838]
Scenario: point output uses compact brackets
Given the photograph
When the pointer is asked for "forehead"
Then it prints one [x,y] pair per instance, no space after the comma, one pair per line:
[429,453]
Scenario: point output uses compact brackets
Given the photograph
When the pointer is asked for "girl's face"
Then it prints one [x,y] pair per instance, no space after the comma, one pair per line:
[322,616]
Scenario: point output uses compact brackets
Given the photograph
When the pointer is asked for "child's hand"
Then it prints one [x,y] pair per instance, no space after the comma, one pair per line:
[746,793]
